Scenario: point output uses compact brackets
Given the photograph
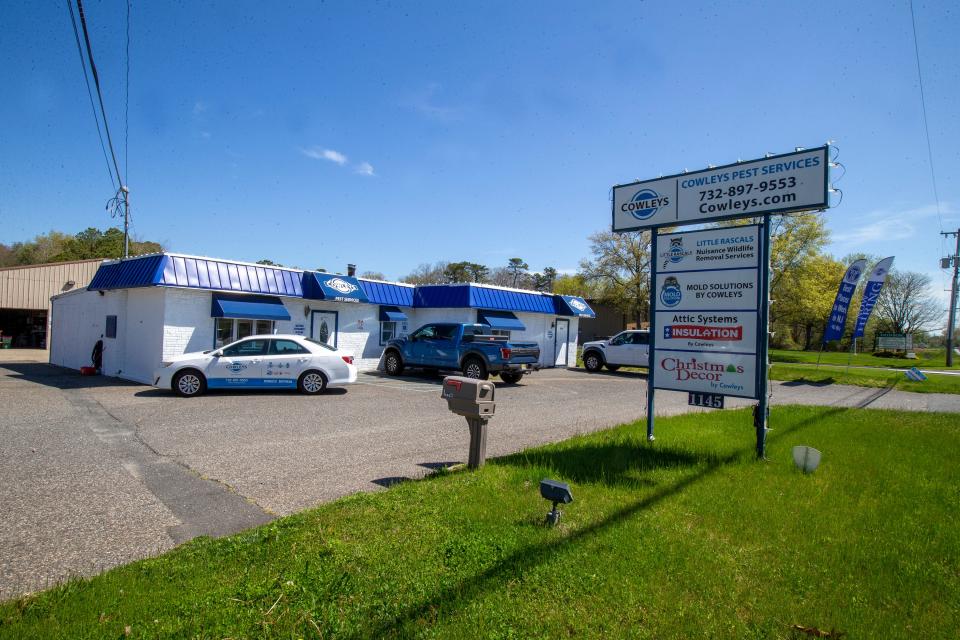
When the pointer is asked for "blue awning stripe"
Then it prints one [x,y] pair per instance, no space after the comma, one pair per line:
[500,320]
[248,307]
[392,314]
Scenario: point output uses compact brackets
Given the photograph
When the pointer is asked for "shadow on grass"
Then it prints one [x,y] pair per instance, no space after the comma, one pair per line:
[803,382]
[573,459]
[615,463]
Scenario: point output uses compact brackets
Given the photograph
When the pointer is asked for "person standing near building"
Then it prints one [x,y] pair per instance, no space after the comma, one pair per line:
[97,355]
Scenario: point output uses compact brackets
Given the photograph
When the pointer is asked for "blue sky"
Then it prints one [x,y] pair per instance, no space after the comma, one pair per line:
[391,134]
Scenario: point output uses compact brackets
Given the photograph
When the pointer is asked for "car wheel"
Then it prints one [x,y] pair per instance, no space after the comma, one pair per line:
[189,383]
[312,382]
[393,364]
[612,367]
[475,368]
[510,377]
[592,361]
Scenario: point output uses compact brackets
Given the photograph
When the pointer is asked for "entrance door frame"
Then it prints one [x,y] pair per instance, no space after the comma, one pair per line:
[336,324]
[556,332]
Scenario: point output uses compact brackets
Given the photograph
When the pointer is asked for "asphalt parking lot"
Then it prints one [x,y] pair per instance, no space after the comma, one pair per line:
[96,472]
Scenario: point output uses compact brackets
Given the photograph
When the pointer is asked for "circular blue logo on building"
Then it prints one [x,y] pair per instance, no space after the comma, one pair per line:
[645,203]
[670,294]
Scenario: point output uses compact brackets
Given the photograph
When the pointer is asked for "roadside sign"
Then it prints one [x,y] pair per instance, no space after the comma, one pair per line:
[795,181]
[706,308]
[708,400]
[894,342]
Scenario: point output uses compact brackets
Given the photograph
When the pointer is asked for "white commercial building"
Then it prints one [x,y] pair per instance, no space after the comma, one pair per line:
[149,308]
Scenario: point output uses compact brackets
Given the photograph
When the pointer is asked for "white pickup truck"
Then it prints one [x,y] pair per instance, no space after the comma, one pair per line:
[629,348]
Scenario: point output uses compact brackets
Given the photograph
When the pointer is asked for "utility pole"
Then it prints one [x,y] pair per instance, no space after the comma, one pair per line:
[955,259]
[126,221]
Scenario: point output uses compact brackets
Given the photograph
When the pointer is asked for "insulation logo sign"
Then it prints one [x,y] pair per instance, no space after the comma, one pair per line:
[670,294]
[645,203]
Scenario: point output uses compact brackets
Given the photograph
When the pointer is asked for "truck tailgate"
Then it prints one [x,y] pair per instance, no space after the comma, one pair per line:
[524,352]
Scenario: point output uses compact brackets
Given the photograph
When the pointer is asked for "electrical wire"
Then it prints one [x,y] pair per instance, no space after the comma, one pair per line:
[96,83]
[126,107]
[93,107]
[926,126]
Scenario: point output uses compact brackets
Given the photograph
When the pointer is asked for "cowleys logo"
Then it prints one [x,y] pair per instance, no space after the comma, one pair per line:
[675,254]
[342,286]
[645,203]
[853,274]
[576,304]
[670,294]
[236,367]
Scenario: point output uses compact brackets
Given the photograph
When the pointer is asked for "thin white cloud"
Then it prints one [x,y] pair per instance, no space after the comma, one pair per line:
[318,153]
[199,107]
[427,103]
[364,169]
[886,224]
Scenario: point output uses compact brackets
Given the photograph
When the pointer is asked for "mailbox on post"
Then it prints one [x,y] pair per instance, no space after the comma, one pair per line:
[472,399]
[469,397]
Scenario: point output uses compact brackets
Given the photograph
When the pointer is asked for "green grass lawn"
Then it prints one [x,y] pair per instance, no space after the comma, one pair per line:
[864,378]
[688,537]
[926,359]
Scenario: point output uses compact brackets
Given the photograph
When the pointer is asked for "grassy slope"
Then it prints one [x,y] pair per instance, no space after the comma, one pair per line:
[864,378]
[689,537]
[929,359]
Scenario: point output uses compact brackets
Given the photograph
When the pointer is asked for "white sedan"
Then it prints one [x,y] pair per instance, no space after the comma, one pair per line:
[258,362]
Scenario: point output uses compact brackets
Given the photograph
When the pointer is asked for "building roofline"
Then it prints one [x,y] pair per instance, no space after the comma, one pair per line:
[55,264]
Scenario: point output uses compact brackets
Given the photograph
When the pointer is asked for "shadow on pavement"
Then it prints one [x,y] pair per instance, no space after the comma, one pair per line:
[390,481]
[61,377]
[153,392]
[803,382]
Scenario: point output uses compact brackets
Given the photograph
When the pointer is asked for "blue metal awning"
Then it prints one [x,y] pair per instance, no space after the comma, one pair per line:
[330,286]
[573,306]
[248,307]
[392,314]
[500,320]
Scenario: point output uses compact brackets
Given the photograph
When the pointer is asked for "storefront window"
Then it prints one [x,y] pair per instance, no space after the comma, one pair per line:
[224,332]
[388,331]
[230,330]
[244,328]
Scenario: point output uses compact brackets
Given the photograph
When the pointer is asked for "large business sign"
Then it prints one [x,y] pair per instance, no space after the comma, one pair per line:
[706,303]
[777,184]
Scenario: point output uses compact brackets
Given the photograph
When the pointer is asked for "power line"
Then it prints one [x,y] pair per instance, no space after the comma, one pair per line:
[93,107]
[96,82]
[126,108]
[923,102]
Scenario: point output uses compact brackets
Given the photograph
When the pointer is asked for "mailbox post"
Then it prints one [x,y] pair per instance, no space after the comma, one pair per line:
[472,399]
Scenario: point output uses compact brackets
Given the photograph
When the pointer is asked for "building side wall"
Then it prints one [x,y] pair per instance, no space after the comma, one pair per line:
[143,344]
[79,320]
[31,287]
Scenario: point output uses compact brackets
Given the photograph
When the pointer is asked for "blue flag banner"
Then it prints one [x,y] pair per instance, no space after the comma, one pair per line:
[871,293]
[838,314]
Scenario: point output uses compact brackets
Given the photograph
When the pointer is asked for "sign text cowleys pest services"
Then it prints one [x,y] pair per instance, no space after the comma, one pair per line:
[790,182]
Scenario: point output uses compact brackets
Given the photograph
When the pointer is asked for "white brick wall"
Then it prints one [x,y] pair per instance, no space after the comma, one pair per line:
[187,324]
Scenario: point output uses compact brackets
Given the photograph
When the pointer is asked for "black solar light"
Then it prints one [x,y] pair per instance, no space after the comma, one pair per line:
[555,492]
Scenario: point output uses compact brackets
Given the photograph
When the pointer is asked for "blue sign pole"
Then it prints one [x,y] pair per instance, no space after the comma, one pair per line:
[653,331]
[763,384]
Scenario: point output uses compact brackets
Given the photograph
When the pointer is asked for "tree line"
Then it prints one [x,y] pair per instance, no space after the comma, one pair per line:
[56,246]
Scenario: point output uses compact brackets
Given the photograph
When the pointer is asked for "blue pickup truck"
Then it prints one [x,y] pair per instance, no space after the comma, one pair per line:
[462,347]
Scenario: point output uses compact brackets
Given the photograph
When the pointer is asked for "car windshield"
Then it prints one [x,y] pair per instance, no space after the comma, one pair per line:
[322,344]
